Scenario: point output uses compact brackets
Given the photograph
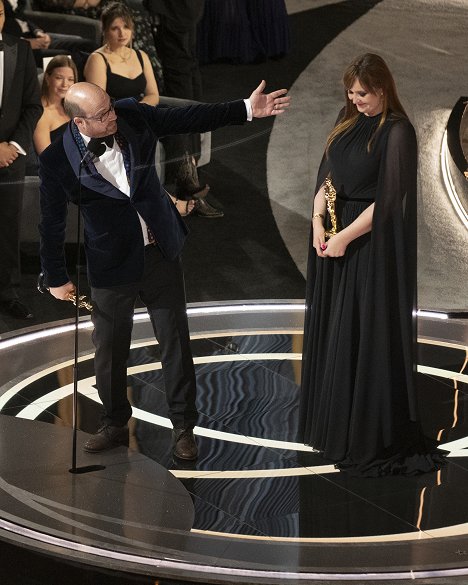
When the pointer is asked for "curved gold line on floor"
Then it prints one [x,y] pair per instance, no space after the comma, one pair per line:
[254,473]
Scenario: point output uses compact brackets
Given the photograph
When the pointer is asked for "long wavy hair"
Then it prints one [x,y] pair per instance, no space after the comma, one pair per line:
[55,63]
[373,74]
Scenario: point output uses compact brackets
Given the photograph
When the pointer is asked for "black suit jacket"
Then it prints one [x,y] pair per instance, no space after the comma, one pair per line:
[21,101]
[12,27]
[113,236]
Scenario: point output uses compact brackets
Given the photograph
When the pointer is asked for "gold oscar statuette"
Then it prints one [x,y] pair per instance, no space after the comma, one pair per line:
[330,197]
[83,303]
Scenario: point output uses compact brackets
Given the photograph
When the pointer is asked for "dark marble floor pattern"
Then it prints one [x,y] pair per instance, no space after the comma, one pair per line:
[258,398]
[284,499]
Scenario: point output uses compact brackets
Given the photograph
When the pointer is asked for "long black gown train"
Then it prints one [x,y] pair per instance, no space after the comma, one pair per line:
[358,401]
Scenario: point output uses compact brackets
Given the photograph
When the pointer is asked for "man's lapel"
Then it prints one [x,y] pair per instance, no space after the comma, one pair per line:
[10,57]
[134,148]
[90,178]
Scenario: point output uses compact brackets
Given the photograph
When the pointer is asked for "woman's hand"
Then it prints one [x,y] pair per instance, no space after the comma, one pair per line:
[336,246]
[318,237]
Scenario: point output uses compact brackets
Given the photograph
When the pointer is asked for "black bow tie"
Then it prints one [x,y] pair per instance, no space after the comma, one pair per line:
[109,140]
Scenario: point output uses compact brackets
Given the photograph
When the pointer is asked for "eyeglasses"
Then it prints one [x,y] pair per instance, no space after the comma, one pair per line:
[103,117]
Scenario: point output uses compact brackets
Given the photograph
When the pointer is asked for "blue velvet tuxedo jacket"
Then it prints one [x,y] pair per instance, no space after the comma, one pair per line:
[113,236]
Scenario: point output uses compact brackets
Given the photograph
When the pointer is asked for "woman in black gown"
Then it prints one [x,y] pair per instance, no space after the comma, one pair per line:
[358,401]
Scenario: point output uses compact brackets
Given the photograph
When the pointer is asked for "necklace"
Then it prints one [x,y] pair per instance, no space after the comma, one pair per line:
[121,56]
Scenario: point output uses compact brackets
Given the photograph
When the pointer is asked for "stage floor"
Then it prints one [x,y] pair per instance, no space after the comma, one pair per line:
[257,507]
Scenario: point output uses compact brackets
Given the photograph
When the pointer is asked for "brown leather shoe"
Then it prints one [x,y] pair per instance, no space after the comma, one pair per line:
[185,446]
[107,437]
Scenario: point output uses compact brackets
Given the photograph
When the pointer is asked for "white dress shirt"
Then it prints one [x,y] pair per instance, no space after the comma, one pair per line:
[110,165]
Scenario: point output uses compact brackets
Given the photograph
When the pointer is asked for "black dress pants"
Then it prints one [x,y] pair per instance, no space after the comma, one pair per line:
[163,292]
[176,46]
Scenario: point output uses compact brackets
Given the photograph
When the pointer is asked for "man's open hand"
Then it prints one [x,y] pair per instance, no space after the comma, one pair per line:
[268,104]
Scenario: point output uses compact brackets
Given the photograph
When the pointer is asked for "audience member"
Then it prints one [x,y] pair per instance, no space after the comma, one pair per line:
[21,108]
[60,74]
[120,70]
[176,41]
[243,31]
[42,43]
[113,68]
[270,25]
[143,37]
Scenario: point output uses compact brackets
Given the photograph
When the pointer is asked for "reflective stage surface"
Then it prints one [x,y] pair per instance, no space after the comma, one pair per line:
[256,506]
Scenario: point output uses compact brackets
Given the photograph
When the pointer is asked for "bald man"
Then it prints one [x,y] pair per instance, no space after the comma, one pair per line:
[133,239]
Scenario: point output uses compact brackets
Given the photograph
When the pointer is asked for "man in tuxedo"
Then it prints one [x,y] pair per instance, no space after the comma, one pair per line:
[21,108]
[133,238]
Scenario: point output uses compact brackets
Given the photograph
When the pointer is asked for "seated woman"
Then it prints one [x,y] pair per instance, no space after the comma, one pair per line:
[143,37]
[60,74]
[123,72]
[116,67]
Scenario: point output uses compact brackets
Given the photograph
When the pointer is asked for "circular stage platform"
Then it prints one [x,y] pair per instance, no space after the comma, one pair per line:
[257,507]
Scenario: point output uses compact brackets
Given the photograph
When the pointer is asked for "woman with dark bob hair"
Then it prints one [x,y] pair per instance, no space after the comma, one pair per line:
[358,397]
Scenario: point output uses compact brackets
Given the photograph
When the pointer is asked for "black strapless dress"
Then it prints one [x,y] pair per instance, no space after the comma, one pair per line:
[58,132]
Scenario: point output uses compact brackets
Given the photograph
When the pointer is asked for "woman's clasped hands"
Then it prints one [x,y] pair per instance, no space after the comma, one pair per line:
[335,247]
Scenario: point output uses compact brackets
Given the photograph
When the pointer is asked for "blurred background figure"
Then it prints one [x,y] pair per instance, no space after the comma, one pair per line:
[60,74]
[176,42]
[20,108]
[243,31]
[143,38]
[42,43]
